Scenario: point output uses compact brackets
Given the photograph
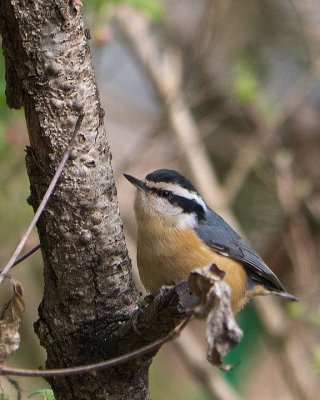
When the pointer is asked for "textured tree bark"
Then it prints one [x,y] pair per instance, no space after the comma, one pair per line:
[88,281]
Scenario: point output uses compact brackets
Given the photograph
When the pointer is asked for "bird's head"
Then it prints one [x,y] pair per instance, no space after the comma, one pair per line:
[168,195]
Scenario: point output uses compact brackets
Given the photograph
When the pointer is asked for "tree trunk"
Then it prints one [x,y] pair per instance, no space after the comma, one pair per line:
[89,292]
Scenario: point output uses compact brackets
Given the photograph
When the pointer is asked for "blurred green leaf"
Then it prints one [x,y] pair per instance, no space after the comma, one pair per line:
[46,394]
[245,85]
[241,356]
[315,318]
[316,359]
[296,310]
[153,8]
[3,396]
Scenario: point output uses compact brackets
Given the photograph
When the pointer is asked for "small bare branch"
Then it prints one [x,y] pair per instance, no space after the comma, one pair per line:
[172,306]
[267,133]
[26,254]
[149,348]
[43,203]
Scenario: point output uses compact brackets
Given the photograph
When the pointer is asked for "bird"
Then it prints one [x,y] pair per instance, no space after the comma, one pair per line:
[178,232]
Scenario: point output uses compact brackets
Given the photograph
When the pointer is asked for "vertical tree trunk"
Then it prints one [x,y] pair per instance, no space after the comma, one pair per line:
[89,290]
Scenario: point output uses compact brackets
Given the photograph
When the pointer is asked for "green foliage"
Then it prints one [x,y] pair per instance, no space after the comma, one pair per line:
[245,85]
[299,311]
[314,318]
[3,396]
[296,310]
[316,359]
[152,8]
[241,357]
[45,394]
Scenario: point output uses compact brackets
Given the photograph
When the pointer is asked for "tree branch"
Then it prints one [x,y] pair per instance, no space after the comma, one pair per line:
[26,254]
[149,348]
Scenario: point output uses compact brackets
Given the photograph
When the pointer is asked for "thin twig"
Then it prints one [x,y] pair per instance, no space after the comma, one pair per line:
[26,254]
[100,365]
[308,12]
[249,154]
[44,201]
[17,387]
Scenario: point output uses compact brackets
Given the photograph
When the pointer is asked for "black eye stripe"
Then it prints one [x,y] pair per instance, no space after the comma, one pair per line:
[161,192]
[189,206]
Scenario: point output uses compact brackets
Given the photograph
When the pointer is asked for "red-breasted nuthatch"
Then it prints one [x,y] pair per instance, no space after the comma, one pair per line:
[178,232]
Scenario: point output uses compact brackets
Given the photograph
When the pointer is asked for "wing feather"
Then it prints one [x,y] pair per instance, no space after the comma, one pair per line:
[219,235]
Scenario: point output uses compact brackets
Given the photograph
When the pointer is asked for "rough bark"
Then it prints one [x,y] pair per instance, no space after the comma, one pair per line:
[88,282]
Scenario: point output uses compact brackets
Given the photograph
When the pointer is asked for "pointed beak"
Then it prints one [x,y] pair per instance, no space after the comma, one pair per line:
[136,182]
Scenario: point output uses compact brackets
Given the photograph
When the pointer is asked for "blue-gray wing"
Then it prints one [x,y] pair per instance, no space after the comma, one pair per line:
[219,236]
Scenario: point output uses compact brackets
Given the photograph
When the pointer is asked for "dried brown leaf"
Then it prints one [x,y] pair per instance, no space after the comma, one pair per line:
[222,331]
[10,319]
[201,282]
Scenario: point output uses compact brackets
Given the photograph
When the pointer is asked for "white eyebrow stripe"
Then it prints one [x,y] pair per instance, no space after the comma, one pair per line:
[177,190]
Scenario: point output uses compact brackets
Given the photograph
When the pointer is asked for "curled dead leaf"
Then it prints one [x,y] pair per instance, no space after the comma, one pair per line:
[222,331]
[10,318]
[201,282]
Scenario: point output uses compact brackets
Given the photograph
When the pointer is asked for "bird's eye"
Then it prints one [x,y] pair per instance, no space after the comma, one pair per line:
[166,193]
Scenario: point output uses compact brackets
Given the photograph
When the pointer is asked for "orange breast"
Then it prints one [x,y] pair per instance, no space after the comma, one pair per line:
[167,255]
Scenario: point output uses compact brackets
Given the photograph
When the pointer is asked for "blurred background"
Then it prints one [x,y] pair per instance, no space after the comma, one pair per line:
[227,92]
